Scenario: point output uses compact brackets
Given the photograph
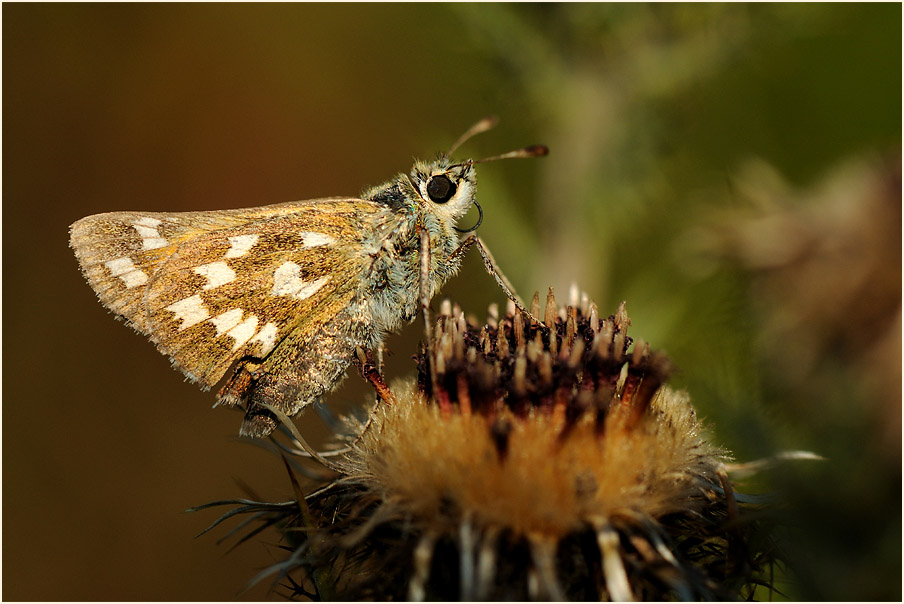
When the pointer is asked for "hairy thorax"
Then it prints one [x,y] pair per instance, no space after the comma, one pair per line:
[391,290]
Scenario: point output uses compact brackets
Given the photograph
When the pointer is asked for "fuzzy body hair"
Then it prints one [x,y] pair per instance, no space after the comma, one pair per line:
[392,294]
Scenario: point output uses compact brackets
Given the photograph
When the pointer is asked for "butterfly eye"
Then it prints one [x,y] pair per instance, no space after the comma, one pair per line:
[440,189]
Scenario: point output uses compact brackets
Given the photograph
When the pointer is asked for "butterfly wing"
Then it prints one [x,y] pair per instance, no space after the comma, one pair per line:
[210,288]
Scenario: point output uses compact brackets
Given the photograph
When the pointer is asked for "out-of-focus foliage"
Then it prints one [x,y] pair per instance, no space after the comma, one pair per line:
[732,171]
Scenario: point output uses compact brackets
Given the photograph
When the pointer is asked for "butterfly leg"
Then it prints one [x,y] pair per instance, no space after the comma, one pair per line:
[424,283]
[494,271]
[424,295]
[239,383]
[375,377]
[371,372]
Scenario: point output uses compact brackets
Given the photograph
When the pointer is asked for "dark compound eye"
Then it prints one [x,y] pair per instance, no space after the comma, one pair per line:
[440,189]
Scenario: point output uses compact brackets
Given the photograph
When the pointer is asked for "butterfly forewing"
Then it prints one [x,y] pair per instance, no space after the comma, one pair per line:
[210,288]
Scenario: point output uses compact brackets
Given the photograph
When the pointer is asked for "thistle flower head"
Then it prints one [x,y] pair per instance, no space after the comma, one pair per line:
[538,430]
[529,461]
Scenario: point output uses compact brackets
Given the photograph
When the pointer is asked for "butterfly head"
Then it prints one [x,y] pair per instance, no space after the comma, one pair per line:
[448,189]
[445,188]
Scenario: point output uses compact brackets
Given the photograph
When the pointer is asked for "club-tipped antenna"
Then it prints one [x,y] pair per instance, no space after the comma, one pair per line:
[532,151]
[483,125]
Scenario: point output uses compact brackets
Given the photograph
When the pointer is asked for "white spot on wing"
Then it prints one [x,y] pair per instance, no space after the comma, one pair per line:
[148,221]
[267,337]
[151,243]
[243,332]
[311,239]
[147,230]
[120,266]
[125,269]
[230,323]
[190,311]
[217,273]
[227,320]
[240,244]
[287,281]
[134,278]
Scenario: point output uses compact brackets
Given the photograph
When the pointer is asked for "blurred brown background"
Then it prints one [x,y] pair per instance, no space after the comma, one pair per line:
[732,171]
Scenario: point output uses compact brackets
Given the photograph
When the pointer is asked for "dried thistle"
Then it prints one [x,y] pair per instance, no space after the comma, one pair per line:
[548,462]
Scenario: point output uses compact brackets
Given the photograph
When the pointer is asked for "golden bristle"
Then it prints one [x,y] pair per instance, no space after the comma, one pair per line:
[530,461]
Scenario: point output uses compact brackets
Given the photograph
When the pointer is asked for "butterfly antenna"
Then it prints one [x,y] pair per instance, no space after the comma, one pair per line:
[483,125]
[532,151]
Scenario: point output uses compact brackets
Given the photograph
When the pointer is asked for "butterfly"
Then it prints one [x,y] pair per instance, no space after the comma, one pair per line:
[285,297]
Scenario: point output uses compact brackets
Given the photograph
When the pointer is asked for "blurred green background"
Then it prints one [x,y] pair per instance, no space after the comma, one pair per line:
[732,171]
